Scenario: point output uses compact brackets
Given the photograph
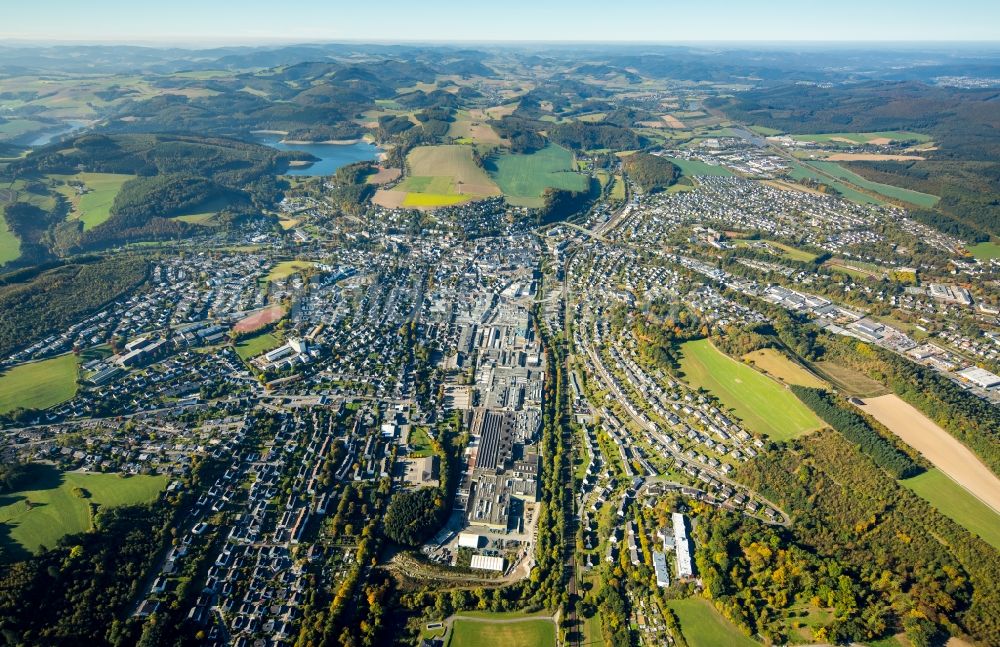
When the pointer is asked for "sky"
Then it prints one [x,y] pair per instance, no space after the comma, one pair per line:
[208,22]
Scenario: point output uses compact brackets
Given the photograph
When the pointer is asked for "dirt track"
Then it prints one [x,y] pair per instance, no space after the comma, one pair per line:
[938,446]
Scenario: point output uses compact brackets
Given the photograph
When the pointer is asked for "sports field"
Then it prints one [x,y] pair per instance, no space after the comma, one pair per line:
[703,626]
[925,200]
[38,385]
[953,501]
[694,167]
[985,251]
[943,450]
[259,319]
[438,176]
[285,269]
[56,510]
[516,633]
[254,346]
[93,207]
[761,403]
[524,178]
[780,367]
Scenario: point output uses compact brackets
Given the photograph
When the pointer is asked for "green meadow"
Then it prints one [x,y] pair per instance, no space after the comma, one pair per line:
[764,405]
[47,508]
[524,178]
[956,503]
[703,626]
[38,385]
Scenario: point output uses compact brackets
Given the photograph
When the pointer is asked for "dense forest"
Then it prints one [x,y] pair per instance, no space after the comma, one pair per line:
[76,593]
[54,299]
[882,558]
[581,135]
[651,172]
[177,174]
[414,515]
[857,430]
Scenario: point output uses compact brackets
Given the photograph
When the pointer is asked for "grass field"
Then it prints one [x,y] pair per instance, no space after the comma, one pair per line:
[789,252]
[985,251]
[779,366]
[925,200]
[618,189]
[524,178]
[38,385]
[94,207]
[694,167]
[761,403]
[702,625]
[765,131]
[254,346]
[419,442]
[285,269]
[57,511]
[953,501]
[528,633]
[849,381]
[10,245]
[865,138]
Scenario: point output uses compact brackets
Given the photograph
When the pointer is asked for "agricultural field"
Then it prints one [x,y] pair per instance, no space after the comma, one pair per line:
[38,385]
[694,167]
[800,171]
[761,403]
[517,633]
[954,502]
[524,178]
[703,626]
[849,381]
[470,127]
[765,131]
[284,269]
[94,206]
[925,200]
[776,364]
[47,508]
[877,138]
[943,450]
[985,251]
[439,176]
[254,346]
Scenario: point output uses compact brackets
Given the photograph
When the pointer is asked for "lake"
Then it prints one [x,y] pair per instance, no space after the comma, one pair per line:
[47,137]
[331,156]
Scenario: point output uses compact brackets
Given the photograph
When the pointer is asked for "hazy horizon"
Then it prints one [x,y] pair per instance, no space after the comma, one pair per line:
[190,23]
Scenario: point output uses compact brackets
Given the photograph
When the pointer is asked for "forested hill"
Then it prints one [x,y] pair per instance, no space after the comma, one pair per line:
[963,169]
[175,174]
